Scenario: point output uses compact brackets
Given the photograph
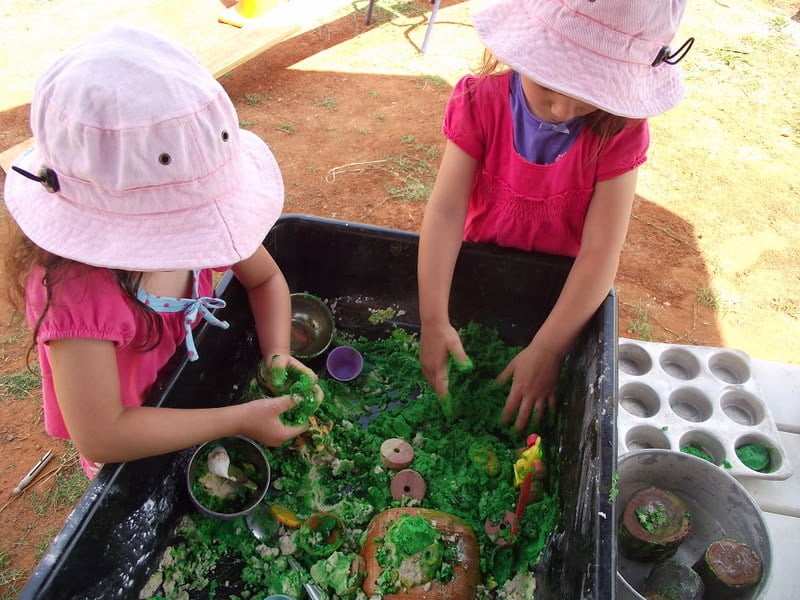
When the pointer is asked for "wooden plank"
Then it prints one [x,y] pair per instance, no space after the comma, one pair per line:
[248,43]
[7,157]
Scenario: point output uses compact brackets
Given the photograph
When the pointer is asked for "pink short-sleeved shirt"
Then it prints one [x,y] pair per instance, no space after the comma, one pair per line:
[88,303]
[518,203]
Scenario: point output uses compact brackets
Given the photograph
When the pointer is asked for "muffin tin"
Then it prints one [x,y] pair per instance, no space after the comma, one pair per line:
[672,396]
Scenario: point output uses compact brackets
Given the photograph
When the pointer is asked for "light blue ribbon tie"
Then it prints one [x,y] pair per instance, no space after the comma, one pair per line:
[203,307]
[191,309]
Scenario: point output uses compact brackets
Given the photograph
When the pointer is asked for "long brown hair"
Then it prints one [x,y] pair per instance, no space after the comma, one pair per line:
[603,124]
[21,256]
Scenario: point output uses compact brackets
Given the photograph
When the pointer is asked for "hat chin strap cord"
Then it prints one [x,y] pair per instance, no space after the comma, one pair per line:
[665,55]
[46,176]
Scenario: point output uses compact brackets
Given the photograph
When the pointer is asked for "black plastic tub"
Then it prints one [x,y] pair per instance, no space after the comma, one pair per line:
[113,540]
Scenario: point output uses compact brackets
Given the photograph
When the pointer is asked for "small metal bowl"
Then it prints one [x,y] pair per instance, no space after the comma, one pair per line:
[312,326]
[242,449]
[719,506]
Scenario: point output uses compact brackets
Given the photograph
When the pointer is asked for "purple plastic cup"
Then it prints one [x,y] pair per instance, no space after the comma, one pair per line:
[344,363]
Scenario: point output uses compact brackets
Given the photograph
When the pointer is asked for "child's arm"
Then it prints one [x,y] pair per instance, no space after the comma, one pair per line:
[439,244]
[535,368]
[87,386]
[268,295]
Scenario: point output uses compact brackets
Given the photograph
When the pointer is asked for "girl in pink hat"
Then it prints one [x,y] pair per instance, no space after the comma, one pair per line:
[140,184]
[543,156]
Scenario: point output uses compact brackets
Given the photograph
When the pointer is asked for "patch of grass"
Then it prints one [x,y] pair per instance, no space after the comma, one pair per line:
[731,58]
[779,23]
[20,384]
[432,152]
[244,124]
[415,170]
[312,169]
[373,94]
[44,542]
[380,117]
[364,131]
[707,297]
[640,325]
[379,16]
[408,138]
[285,128]
[433,80]
[69,485]
[407,9]
[12,339]
[253,99]
[328,103]
[412,188]
[787,305]
[10,579]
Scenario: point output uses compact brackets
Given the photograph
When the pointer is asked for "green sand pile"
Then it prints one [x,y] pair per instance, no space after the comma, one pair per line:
[413,553]
[755,457]
[697,451]
[467,464]
[292,382]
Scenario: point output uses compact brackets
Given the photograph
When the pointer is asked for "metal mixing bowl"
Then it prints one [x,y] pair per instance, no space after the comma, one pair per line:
[720,508]
[312,326]
[248,451]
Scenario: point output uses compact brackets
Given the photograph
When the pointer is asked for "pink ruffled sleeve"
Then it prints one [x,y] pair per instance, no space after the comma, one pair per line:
[624,152]
[87,303]
[462,123]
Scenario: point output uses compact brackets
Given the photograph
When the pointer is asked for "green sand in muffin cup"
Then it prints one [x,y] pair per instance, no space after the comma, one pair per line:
[755,457]
[697,451]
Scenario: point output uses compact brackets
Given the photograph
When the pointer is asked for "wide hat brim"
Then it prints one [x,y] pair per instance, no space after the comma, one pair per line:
[220,232]
[527,45]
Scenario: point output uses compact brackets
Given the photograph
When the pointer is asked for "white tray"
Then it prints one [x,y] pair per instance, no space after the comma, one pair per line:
[673,395]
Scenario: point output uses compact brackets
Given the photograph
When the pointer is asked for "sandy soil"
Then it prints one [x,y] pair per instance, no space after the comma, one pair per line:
[353,115]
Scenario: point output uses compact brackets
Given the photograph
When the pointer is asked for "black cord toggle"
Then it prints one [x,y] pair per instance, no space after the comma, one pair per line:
[666,55]
[46,176]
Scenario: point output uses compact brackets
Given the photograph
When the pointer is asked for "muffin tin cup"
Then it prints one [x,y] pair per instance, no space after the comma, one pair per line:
[672,396]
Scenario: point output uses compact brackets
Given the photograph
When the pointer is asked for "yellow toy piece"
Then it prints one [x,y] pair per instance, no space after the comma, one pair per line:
[285,516]
[530,461]
[247,12]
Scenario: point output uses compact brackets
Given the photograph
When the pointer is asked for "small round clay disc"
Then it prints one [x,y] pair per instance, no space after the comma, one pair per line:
[493,529]
[396,453]
[408,483]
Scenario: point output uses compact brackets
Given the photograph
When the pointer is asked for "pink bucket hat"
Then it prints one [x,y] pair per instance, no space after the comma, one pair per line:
[142,161]
[612,54]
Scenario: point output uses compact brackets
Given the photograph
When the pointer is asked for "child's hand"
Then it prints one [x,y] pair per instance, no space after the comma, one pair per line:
[436,345]
[535,373]
[277,366]
[264,424]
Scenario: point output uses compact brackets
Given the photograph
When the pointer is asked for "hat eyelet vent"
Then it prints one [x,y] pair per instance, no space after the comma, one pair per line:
[224,135]
[164,158]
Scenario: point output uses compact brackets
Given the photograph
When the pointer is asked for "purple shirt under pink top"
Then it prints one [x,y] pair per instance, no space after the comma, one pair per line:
[88,303]
[519,203]
[539,141]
